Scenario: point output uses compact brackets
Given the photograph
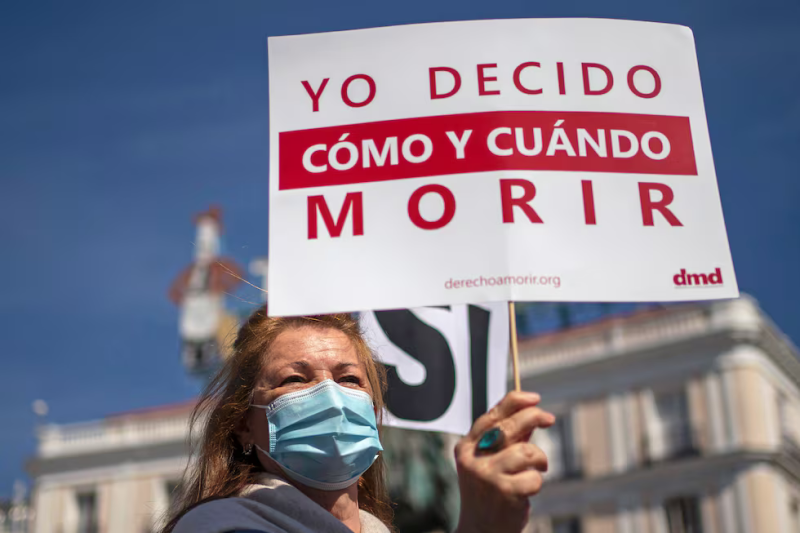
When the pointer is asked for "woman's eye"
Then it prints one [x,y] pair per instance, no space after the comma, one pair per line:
[292,379]
[350,379]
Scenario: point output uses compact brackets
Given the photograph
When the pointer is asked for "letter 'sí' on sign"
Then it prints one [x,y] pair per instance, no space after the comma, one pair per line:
[446,366]
[428,346]
[479,358]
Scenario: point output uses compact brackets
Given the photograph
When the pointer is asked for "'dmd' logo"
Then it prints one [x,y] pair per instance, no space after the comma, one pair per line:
[685,280]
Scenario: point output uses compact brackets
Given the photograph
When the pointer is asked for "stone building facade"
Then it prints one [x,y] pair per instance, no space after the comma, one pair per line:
[679,420]
[684,419]
[109,476]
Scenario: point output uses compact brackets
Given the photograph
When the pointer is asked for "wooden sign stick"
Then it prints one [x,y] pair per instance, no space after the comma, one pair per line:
[512,317]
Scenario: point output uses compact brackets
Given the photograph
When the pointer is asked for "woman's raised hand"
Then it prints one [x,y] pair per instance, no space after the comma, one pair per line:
[495,483]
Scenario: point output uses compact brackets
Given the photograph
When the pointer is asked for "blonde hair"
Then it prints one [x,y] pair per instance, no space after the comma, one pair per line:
[221,469]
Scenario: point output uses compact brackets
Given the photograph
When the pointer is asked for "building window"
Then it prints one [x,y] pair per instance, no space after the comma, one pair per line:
[683,515]
[670,431]
[565,454]
[87,512]
[784,419]
[566,524]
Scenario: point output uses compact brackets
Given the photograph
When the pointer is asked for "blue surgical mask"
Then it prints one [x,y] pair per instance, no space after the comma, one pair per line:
[325,436]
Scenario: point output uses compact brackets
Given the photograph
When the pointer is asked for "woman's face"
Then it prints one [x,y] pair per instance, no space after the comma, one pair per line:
[301,358]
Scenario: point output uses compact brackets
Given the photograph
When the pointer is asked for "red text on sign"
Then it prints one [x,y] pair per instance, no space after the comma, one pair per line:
[316,94]
[516,196]
[523,202]
[649,205]
[488,82]
[318,205]
[447,214]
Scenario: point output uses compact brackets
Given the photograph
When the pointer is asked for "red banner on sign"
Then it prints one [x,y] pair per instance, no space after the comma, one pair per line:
[481,142]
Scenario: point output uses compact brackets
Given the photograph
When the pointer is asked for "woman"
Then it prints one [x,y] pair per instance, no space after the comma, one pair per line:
[290,441]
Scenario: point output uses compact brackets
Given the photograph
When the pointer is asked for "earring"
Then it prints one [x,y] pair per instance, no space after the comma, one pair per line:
[248,449]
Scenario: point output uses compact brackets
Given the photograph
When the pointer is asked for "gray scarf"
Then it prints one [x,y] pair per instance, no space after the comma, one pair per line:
[270,505]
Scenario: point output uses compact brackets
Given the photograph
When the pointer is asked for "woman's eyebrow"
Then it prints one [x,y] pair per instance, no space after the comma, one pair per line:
[343,366]
[299,365]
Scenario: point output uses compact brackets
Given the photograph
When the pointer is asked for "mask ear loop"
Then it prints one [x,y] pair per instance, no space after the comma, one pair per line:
[248,449]
[251,404]
[252,399]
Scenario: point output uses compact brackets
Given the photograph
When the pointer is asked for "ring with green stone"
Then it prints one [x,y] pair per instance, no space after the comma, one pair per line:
[491,441]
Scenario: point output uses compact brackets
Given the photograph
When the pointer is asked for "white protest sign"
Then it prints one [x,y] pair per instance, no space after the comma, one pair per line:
[445,366]
[527,160]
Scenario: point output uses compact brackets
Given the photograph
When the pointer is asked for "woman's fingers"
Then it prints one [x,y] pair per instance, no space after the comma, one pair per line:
[510,404]
[519,426]
[520,457]
[516,415]
[524,484]
[496,483]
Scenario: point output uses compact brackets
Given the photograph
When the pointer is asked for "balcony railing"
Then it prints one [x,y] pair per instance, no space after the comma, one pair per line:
[87,437]
[575,346]
[678,442]
[610,338]
[790,446]
[566,464]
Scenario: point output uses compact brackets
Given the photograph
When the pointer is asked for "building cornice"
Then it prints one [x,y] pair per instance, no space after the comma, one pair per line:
[122,432]
[40,466]
[609,342]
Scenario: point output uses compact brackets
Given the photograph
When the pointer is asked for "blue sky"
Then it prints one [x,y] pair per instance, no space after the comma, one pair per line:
[119,120]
